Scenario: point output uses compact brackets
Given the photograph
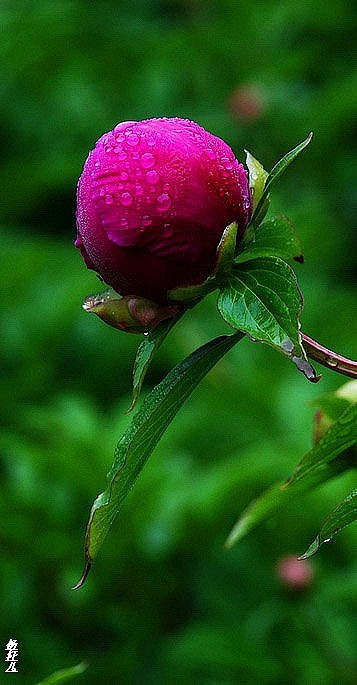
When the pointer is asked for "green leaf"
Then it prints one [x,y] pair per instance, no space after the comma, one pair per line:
[146,352]
[64,675]
[273,238]
[344,514]
[329,457]
[139,440]
[274,175]
[279,496]
[263,299]
[341,435]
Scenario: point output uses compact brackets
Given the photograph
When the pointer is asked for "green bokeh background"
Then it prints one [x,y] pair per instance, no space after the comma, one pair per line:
[164,602]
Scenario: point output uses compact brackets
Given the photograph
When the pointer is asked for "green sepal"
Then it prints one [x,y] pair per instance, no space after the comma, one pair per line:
[257,180]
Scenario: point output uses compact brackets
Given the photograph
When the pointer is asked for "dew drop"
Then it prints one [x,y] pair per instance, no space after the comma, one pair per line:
[126,199]
[227,163]
[122,155]
[139,190]
[97,164]
[132,139]
[109,199]
[168,230]
[147,160]
[123,176]
[166,187]
[163,202]
[152,176]
[136,155]
[210,153]
[146,220]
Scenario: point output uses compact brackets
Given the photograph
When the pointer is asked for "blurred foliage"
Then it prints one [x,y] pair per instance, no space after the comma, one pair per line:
[165,603]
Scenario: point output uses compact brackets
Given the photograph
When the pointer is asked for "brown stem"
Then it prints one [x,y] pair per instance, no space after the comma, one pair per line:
[326,357]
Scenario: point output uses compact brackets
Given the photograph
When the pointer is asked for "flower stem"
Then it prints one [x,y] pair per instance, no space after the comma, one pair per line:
[328,358]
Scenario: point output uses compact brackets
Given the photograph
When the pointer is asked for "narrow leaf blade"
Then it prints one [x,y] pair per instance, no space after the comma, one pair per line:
[145,354]
[147,427]
[343,515]
[341,435]
[278,496]
[274,175]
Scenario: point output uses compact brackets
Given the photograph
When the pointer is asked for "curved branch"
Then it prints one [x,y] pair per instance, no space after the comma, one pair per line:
[328,358]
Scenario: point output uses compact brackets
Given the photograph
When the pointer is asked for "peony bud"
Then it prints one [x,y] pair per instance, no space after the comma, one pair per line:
[295,574]
[152,203]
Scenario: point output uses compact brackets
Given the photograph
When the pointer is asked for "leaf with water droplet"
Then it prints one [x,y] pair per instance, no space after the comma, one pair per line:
[273,238]
[262,298]
[145,354]
[340,517]
[329,457]
[147,426]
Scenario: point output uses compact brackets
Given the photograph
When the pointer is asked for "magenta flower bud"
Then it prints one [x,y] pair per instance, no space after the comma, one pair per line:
[152,203]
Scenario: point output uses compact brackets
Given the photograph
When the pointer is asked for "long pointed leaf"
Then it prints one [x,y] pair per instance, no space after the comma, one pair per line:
[274,175]
[278,496]
[145,353]
[344,514]
[147,427]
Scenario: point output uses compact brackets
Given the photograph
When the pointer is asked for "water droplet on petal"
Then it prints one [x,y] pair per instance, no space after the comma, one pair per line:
[228,163]
[135,155]
[210,153]
[163,202]
[122,155]
[123,176]
[124,223]
[147,160]
[139,190]
[132,139]
[152,176]
[109,199]
[146,220]
[126,199]
[166,187]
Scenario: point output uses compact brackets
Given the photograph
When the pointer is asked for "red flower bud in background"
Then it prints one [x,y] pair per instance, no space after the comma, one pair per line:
[295,574]
[153,201]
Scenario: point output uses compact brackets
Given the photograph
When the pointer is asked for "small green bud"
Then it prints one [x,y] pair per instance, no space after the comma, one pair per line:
[130,314]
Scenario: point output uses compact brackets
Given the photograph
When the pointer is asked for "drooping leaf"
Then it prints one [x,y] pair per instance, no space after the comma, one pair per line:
[139,440]
[273,238]
[145,354]
[343,515]
[262,298]
[341,435]
[332,453]
[278,496]
[274,175]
